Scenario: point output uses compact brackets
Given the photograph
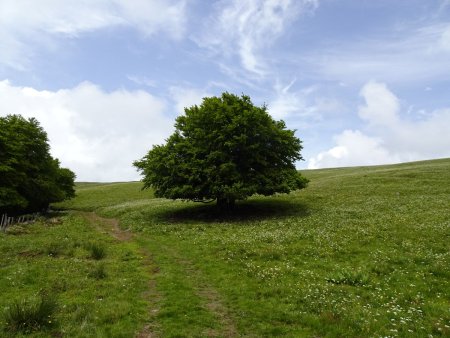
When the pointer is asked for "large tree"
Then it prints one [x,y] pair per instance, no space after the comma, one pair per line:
[226,149]
[30,178]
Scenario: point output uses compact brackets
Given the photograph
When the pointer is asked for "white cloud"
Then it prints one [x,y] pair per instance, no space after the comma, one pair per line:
[24,24]
[388,137]
[96,134]
[352,148]
[381,105]
[244,28]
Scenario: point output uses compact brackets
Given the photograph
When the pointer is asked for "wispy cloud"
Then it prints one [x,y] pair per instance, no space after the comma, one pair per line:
[286,102]
[444,5]
[419,53]
[24,25]
[142,80]
[302,106]
[444,41]
[243,29]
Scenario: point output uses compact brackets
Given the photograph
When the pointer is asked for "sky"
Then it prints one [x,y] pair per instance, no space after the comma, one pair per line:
[362,82]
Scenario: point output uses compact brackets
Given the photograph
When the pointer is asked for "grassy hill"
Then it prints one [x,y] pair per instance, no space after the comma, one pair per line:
[361,252]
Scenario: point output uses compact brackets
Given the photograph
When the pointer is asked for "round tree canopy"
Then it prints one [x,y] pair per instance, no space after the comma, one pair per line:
[226,149]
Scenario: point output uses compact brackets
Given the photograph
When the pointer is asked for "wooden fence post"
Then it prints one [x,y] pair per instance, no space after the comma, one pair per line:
[6,221]
[2,221]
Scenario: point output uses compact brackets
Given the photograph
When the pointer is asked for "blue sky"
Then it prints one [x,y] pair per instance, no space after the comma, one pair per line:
[363,82]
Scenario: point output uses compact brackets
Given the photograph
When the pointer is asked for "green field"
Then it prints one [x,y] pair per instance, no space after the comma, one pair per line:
[361,252]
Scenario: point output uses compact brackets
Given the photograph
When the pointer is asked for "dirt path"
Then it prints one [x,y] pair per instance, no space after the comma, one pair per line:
[209,296]
[111,226]
[107,225]
[215,305]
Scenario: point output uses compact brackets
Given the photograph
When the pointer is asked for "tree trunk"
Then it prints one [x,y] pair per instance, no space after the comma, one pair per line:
[225,204]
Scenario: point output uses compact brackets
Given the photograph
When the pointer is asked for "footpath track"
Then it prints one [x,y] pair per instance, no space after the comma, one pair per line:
[178,292]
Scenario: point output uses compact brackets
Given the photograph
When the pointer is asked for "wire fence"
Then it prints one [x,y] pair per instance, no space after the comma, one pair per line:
[6,221]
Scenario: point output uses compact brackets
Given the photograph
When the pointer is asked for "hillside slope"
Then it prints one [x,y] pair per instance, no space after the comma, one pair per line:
[361,252]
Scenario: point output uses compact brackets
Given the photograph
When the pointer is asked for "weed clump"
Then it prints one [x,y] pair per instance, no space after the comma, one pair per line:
[30,315]
[54,249]
[352,278]
[97,251]
[99,272]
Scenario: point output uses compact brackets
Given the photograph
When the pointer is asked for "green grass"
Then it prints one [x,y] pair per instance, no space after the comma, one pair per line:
[91,298]
[362,252]
[91,196]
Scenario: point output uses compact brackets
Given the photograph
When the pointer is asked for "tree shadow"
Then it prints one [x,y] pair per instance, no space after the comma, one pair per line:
[244,211]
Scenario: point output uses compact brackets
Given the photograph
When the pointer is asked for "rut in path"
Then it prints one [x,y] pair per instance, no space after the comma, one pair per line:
[111,226]
[107,225]
[215,305]
[207,293]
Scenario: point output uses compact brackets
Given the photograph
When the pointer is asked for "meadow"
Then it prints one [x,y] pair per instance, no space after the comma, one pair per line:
[361,252]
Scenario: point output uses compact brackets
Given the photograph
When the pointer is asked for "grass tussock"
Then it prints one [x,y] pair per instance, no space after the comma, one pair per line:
[54,249]
[31,315]
[98,272]
[97,251]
